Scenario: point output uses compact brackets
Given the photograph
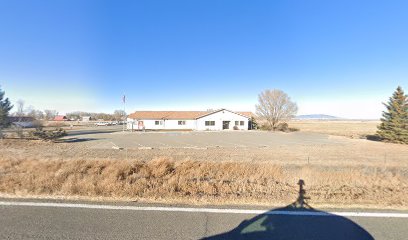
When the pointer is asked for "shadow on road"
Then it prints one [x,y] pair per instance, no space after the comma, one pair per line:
[75,140]
[87,132]
[296,221]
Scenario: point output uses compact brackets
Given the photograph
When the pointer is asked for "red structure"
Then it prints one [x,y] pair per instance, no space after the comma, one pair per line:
[60,118]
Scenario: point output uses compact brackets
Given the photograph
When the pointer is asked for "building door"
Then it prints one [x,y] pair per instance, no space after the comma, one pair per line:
[140,125]
[225,125]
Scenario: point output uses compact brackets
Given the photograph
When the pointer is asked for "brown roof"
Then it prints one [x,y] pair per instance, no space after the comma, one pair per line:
[247,114]
[167,114]
[175,114]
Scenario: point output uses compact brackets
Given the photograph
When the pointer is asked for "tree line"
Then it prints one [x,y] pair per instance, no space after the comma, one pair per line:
[118,115]
[48,115]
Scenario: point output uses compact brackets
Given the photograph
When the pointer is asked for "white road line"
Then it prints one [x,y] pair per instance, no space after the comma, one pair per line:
[206,210]
[114,145]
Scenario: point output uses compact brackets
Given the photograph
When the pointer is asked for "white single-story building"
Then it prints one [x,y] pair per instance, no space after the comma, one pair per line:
[221,119]
[86,118]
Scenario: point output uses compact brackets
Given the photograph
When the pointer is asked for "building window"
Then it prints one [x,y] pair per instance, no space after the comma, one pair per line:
[209,123]
[239,123]
[158,122]
[181,122]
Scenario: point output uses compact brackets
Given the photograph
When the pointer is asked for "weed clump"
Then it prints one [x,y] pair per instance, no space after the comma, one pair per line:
[48,135]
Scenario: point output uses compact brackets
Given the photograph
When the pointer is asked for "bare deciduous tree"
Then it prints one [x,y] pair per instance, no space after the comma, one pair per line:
[39,115]
[36,114]
[119,115]
[50,114]
[275,106]
[20,108]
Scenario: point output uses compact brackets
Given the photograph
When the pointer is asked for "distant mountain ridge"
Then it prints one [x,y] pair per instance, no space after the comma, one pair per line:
[317,116]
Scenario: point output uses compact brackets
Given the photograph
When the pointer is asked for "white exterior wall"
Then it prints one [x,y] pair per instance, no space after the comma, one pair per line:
[129,123]
[173,124]
[147,123]
[167,124]
[150,124]
[219,117]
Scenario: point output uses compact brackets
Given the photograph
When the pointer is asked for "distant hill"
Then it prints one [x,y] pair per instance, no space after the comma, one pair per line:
[317,117]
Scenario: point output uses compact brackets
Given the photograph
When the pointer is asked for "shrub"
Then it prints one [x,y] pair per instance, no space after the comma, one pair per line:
[19,132]
[253,123]
[50,135]
[284,127]
[236,128]
[38,124]
[292,129]
[265,127]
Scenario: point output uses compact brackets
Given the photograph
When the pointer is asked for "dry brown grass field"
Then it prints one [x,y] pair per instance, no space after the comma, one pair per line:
[348,128]
[204,182]
[349,173]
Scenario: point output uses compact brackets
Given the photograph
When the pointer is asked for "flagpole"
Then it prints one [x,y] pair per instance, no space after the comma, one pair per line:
[124,112]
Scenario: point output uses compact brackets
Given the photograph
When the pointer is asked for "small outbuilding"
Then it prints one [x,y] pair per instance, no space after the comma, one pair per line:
[60,118]
[24,122]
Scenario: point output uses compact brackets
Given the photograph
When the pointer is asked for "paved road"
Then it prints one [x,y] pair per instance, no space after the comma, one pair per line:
[94,130]
[135,221]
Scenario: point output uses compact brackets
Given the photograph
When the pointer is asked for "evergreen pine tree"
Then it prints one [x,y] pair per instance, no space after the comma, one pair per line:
[394,124]
[5,107]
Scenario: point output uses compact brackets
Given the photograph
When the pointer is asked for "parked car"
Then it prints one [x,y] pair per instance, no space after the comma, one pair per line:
[102,124]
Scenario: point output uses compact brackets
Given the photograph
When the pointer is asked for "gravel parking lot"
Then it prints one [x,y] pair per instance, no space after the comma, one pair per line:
[108,138]
[296,147]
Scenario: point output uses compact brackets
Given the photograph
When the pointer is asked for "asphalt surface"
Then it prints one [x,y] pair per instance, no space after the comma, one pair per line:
[40,222]
[108,137]
[94,130]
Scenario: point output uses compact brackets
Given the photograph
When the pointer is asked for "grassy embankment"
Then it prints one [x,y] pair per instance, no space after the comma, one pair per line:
[203,182]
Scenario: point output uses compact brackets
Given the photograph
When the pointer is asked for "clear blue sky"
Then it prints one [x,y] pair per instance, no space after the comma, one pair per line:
[331,57]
